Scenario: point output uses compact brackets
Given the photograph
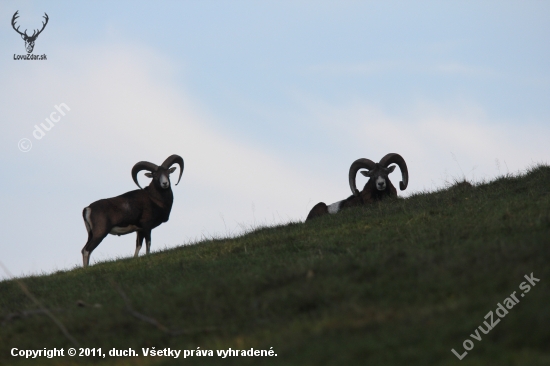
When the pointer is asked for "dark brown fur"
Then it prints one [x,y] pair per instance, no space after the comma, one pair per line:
[142,209]
[369,194]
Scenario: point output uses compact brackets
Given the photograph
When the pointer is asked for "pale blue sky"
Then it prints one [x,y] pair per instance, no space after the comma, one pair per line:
[267,102]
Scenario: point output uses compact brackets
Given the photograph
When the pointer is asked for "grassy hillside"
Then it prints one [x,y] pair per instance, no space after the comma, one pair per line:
[397,283]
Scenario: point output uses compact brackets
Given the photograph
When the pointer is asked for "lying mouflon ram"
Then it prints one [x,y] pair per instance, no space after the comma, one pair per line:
[378,186]
[140,210]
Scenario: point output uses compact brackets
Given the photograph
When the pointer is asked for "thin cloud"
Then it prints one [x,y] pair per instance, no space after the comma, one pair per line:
[122,112]
[356,69]
[456,68]
[458,137]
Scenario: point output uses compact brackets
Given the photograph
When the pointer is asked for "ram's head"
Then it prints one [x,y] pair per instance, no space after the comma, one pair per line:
[160,174]
[379,172]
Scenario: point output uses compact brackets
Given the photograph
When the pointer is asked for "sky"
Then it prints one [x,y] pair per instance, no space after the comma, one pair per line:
[267,102]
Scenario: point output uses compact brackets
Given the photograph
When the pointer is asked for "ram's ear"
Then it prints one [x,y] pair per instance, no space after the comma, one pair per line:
[366,173]
[149,175]
[171,170]
[391,169]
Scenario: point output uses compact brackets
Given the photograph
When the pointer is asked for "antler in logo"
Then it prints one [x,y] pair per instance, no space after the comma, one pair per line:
[29,40]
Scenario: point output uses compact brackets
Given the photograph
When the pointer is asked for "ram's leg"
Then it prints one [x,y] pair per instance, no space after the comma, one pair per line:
[91,244]
[96,233]
[319,209]
[85,256]
[139,241]
[148,242]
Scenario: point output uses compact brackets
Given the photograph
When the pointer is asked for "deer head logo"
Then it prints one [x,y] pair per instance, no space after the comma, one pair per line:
[29,40]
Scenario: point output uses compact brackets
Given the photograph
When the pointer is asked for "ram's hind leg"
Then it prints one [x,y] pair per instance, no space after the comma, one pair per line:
[319,209]
[96,233]
[91,244]
[85,253]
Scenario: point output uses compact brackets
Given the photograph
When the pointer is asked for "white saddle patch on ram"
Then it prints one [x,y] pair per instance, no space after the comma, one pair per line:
[334,208]
[121,230]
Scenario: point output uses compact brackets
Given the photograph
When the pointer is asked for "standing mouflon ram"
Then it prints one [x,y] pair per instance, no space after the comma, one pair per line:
[141,210]
[378,186]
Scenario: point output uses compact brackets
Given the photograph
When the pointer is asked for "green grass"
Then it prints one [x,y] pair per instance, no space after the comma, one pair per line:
[395,283]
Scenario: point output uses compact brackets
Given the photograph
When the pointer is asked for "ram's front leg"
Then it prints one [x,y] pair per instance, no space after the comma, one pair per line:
[139,241]
[148,241]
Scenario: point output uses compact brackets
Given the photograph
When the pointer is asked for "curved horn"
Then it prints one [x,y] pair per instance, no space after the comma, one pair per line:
[393,158]
[171,160]
[354,168]
[142,165]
